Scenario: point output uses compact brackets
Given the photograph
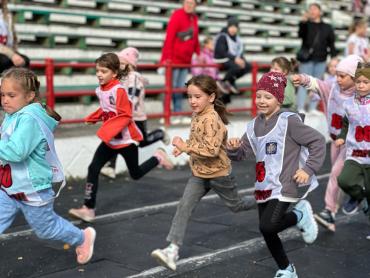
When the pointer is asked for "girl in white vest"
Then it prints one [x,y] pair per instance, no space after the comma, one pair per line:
[284,168]
[355,176]
[119,134]
[333,95]
[29,165]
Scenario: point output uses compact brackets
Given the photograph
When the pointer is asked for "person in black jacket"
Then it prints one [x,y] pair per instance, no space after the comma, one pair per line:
[317,40]
[229,51]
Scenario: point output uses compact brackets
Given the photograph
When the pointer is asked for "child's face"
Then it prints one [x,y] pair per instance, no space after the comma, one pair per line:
[209,45]
[199,100]
[267,103]
[344,80]
[332,66]
[361,30]
[276,68]
[362,85]
[13,97]
[104,74]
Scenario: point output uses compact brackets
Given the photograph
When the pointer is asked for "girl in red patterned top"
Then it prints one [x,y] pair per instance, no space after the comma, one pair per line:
[119,133]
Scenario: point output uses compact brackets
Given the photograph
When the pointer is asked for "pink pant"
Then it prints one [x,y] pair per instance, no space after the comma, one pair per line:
[333,194]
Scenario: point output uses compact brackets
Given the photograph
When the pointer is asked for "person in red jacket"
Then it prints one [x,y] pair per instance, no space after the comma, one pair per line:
[180,44]
[119,134]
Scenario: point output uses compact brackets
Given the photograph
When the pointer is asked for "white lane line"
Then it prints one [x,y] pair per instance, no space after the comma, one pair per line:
[240,249]
[135,211]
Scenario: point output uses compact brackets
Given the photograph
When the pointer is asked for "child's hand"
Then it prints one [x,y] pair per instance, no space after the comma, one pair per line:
[296,79]
[301,176]
[179,143]
[176,152]
[233,143]
[339,142]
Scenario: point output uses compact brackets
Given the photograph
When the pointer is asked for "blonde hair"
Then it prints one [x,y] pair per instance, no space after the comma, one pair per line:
[355,24]
[29,83]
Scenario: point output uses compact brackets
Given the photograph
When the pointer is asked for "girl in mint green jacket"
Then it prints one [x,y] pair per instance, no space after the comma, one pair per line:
[29,165]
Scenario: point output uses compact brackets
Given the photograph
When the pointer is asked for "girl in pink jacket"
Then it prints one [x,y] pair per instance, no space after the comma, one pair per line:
[333,94]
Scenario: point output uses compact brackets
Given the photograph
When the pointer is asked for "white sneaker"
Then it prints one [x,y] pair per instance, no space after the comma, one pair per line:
[307,224]
[164,159]
[108,172]
[166,138]
[166,257]
[285,273]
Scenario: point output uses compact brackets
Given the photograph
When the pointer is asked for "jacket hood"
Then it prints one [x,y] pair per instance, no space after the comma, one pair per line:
[37,110]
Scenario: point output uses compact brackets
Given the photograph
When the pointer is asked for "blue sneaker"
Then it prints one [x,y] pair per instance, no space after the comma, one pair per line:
[307,224]
[351,207]
[286,273]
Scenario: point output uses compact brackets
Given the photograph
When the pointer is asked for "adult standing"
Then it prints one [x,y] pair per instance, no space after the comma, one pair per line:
[180,44]
[317,40]
[229,51]
[9,56]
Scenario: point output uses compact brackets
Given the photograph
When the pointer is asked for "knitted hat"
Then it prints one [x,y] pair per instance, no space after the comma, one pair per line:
[233,21]
[348,64]
[129,55]
[274,83]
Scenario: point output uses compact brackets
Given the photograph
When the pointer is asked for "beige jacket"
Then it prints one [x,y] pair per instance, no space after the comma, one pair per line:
[207,145]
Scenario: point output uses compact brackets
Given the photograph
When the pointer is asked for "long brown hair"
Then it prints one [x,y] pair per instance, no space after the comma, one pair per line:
[29,82]
[286,65]
[208,85]
[110,61]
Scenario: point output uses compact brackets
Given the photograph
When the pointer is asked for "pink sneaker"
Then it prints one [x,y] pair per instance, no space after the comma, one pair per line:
[84,213]
[86,249]
[163,158]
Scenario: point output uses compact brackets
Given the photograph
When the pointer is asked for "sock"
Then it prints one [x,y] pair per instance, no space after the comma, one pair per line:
[299,214]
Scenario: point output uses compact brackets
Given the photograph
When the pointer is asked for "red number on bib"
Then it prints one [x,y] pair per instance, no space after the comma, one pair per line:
[260,171]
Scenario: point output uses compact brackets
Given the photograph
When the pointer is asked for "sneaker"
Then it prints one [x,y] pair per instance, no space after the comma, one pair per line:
[286,273]
[163,159]
[222,87]
[233,89]
[166,138]
[327,219]
[307,224]
[166,257]
[108,172]
[368,237]
[86,249]
[84,213]
[351,206]
[249,202]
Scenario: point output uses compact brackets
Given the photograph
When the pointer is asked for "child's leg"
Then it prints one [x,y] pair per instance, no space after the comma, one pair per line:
[8,211]
[226,189]
[194,191]
[351,179]
[332,190]
[101,156]
[274,218]
[131,156]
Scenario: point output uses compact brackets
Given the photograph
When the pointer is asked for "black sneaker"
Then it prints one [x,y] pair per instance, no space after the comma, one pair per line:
[351,207]
[327,219]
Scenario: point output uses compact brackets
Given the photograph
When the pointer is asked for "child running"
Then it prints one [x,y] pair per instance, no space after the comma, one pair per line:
[210,166]
[284,66]
[279,140]
[333,96]
[30,165]
[355,176]
[119,134]
[134,82]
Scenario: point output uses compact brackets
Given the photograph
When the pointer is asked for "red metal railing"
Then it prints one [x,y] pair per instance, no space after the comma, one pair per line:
[50,65]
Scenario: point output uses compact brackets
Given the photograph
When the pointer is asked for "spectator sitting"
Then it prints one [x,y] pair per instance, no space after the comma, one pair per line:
[9,56]
[229,52]
[205,57]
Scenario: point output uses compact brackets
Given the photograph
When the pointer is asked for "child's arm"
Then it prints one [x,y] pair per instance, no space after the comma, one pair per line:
[341,139]
[94,116]
[116,124]
[319,87]
[312,139]
[23,141]
[239,149]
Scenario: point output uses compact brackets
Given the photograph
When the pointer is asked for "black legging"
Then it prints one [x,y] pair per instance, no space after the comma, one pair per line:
[274,219]
[104,154]
[148,139]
